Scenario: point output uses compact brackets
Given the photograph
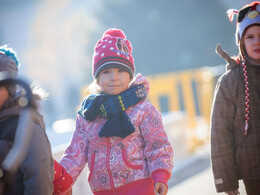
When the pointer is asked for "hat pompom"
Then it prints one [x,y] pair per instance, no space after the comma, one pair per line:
[11,53]
[115,33]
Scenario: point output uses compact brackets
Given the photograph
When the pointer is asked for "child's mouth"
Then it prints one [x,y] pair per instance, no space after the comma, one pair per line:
[257,50]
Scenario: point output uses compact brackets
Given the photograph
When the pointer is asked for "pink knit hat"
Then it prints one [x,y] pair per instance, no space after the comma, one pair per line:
[113,50]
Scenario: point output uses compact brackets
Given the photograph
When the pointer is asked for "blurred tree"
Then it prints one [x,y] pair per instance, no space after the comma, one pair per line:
[171,35]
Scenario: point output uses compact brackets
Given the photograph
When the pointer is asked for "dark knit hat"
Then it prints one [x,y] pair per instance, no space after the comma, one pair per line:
[9,63]
[113,50]
[247,16]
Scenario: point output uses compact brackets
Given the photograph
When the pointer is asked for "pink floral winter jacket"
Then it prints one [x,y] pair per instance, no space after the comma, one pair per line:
[114,161]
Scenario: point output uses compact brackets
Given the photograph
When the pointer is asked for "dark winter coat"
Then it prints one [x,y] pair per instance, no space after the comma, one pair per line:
[234,155]
[35,174]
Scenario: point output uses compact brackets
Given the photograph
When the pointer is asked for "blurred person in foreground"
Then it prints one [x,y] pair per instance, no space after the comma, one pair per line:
[235,119]
[35,174]
[119,134]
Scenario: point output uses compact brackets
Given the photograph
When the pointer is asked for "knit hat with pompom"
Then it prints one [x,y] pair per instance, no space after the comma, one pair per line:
[8,61]
[113,50]
[248,15]
[9,64]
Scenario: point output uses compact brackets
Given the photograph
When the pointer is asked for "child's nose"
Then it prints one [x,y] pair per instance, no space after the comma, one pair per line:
[114,75]
[257,40]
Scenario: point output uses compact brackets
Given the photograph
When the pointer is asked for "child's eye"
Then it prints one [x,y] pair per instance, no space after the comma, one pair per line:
[104,72]
[249,37]
[121,70]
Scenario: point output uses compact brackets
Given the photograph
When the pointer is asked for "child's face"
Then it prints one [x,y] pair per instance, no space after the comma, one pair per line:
[252,43]
[3,96]
[114,80]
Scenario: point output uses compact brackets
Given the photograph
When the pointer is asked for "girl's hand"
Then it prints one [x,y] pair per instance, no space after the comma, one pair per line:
[160,188]
[233,192]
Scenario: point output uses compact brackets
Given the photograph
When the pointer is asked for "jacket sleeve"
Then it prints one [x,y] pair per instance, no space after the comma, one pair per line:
[158,150]
[37,167]
[75,157]
[222,144]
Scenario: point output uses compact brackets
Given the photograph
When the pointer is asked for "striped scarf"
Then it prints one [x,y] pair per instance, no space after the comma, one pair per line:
[113,108]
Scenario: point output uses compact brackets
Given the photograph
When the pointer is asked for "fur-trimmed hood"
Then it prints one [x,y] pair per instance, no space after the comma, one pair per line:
[12,107]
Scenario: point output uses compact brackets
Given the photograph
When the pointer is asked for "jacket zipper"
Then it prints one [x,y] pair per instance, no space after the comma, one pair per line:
[108,167]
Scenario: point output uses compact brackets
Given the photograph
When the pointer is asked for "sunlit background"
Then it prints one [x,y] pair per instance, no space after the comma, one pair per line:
[54,40]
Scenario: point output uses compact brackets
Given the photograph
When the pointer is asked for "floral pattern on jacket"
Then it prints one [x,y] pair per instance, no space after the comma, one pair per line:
[114,161]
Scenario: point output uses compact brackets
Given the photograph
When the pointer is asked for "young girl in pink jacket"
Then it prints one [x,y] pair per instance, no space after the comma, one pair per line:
[119,134]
